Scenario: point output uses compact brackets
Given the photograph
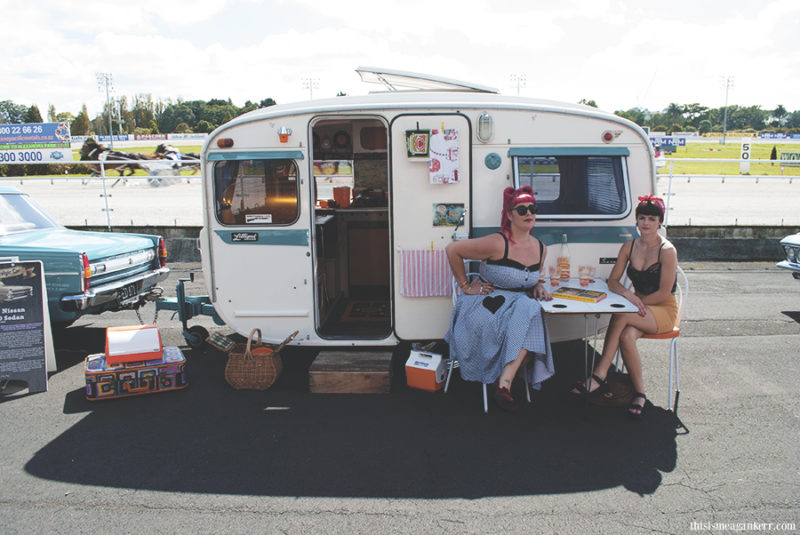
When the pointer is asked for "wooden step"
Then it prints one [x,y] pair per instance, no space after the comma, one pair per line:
[351,372]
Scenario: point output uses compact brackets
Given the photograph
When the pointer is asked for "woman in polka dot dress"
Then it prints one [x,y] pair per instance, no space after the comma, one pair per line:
[497,324]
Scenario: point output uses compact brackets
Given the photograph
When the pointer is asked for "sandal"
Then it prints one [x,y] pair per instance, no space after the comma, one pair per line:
[635,410]
[602,386]
[504,399]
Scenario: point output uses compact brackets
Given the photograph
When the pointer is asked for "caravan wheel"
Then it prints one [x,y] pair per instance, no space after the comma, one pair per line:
[196,337]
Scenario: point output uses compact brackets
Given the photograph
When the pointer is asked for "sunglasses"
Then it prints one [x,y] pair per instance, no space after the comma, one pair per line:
[522,210]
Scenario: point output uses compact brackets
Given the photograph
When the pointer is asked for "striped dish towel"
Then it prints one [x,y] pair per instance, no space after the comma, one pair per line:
[424,273]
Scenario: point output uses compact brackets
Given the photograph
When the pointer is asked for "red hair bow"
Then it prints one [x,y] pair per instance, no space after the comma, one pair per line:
[652,199]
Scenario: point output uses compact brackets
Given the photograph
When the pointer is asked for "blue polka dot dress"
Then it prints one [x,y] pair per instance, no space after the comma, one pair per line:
[487,331]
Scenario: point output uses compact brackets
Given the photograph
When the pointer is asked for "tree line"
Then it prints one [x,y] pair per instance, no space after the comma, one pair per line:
[143,115]
[701,119]
[139,115]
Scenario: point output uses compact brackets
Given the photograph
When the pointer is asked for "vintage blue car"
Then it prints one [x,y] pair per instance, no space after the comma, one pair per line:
[85,272]
[791,249]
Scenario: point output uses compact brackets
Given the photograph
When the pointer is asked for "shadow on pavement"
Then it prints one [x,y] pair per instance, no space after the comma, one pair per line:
[286,441]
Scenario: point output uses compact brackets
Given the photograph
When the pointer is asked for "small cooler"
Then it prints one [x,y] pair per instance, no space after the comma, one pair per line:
[426,371]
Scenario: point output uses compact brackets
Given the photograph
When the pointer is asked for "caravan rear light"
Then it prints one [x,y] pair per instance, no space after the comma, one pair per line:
[610,135]
[87,271]
[225,143]
[162,252]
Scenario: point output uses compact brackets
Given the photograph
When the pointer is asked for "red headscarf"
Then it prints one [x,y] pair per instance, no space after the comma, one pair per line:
[512,197]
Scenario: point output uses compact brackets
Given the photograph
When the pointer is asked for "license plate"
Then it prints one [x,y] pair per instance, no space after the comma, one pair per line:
[128,293]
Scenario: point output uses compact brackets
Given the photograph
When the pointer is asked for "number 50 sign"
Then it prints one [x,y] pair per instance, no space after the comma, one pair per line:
[744,165]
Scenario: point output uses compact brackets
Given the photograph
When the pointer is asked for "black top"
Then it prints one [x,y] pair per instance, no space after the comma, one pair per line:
[647,281]
[506,261]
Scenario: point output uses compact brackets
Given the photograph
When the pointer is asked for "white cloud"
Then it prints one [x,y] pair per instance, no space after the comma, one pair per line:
[621,53]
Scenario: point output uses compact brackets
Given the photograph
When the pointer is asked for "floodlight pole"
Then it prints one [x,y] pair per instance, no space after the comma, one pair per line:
[519,80]
[728,85]
[311,84]
[104,79]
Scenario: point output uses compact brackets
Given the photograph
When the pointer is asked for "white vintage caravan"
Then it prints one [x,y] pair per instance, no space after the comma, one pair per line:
[331,216]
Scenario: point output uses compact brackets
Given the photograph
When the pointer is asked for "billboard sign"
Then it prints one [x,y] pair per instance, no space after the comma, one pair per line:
[793,157]
[35,143]
[662,141]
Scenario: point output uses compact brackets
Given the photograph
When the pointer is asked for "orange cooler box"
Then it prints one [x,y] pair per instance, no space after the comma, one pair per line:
[426,371]
[134,343]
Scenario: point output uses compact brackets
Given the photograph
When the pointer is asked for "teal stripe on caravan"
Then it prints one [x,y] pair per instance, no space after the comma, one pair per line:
[265,237]
[256,155]
[569,151]
[587,234]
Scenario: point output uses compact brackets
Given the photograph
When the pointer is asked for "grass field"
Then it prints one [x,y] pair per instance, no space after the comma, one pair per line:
[759,151]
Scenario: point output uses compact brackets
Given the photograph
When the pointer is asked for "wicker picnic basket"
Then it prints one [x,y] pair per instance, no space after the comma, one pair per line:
[255,366]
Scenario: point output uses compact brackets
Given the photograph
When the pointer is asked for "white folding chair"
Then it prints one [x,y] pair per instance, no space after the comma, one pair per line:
[682,293]
[453,363]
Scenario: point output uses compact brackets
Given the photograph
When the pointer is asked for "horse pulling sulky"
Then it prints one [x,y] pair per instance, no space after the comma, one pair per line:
[158,170]
[94,151]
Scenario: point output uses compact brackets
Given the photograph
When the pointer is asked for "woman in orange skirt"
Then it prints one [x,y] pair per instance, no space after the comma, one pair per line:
[651,262]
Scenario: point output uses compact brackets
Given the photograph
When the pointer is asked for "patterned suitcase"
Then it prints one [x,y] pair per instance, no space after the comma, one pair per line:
[105,381]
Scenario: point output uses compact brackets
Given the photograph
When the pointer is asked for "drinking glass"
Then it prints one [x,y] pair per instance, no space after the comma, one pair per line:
[555,278]
[585,275]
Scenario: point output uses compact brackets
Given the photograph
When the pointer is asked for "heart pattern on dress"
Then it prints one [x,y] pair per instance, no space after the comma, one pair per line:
[493,303]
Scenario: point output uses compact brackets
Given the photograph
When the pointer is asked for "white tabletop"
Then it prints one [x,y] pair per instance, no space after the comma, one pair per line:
[612,303]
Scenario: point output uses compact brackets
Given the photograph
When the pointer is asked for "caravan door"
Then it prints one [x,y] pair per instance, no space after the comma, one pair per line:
[260,242]
[431,183]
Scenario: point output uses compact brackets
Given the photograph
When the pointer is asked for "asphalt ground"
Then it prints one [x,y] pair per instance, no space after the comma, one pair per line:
[209,459]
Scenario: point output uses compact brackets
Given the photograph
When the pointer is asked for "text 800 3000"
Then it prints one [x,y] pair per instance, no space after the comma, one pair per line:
[21,156]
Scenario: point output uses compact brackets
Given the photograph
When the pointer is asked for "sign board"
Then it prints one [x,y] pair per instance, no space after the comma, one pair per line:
[668,140]
[744,164]
[35,143]
[773,135]
[26,341]
[793,157]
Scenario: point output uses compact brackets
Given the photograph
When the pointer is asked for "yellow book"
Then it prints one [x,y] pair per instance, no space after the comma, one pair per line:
[578,294]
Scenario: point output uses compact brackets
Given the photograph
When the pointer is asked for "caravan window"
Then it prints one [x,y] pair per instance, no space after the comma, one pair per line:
[574,186]
[256,192]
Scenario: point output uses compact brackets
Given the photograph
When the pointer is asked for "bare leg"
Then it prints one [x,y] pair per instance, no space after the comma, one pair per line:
[610,345]
[510,370]
[614,340]
[630,356]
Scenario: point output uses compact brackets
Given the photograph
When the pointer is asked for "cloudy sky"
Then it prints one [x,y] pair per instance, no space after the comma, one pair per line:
[620,53]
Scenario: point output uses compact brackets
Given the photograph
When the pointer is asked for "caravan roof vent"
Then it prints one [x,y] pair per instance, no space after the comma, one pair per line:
[393,79]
